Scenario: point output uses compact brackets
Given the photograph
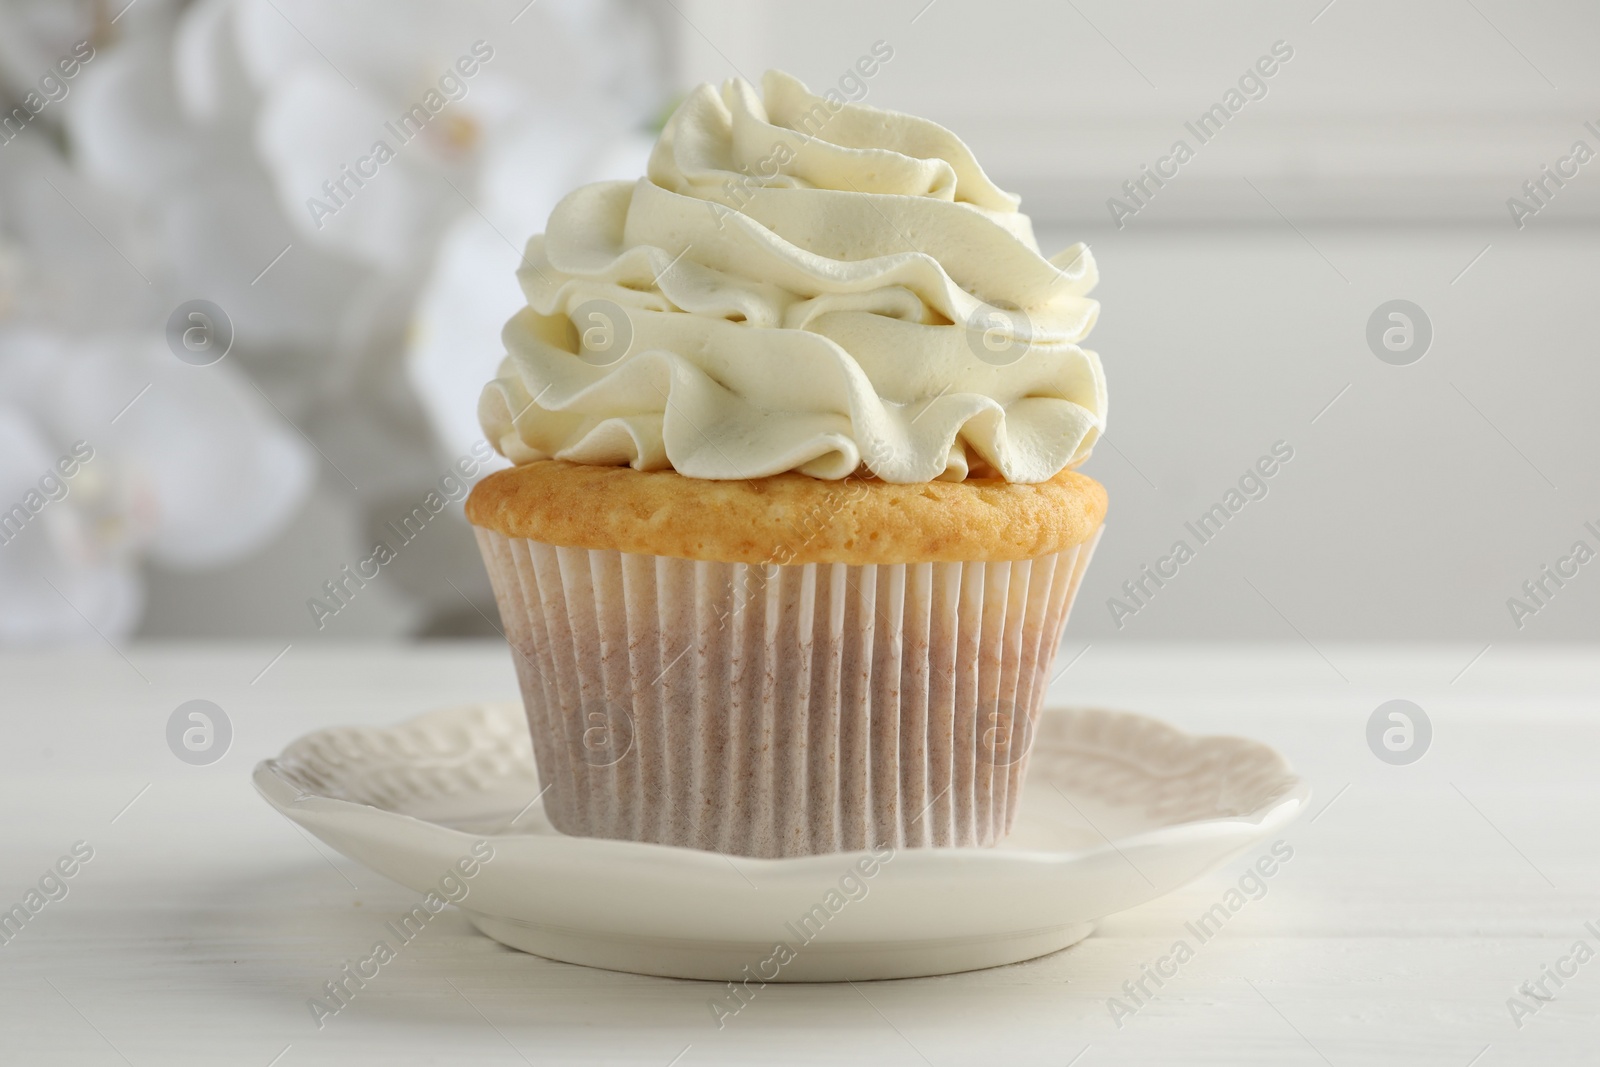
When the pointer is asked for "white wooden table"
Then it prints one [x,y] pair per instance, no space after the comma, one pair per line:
[1418,899]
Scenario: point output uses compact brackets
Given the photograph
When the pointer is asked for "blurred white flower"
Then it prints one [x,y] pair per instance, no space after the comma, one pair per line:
[203,138]
[188,466]
[206,199]
[182,465]
[226,130]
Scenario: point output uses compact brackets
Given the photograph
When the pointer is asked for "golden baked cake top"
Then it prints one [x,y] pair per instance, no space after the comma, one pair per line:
[787,518]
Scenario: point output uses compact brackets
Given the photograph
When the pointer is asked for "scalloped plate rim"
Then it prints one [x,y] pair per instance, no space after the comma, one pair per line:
[1281,810]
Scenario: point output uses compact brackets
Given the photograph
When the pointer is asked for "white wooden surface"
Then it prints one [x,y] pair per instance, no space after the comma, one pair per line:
[1413,907]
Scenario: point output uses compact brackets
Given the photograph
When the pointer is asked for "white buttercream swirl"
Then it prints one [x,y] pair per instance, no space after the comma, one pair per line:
[802,285]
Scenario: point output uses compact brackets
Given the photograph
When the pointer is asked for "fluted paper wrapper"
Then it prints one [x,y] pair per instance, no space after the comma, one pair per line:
[780,710]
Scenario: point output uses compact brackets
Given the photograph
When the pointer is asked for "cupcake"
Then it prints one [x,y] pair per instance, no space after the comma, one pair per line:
[794,524]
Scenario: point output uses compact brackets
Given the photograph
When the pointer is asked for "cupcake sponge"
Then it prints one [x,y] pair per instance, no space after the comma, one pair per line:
[787,518]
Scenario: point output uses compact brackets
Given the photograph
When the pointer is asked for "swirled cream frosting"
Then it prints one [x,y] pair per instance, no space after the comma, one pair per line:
[800,284]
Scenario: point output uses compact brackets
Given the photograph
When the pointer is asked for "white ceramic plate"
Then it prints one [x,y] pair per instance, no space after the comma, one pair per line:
[1118,809]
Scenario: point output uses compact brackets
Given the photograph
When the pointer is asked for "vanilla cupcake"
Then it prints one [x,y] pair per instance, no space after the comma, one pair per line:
[794,528]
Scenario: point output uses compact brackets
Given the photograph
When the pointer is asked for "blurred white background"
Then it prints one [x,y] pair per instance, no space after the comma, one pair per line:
[1375,165]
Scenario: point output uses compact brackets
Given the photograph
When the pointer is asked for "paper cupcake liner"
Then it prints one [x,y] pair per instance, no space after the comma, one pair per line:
[780,710]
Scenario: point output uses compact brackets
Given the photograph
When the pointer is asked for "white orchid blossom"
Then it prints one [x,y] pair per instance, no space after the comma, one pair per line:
[229,150]
[112,452]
